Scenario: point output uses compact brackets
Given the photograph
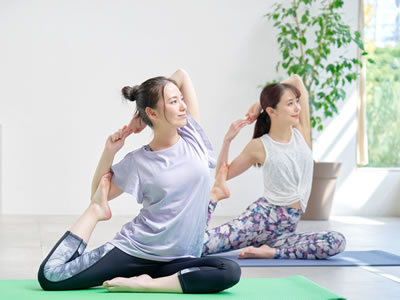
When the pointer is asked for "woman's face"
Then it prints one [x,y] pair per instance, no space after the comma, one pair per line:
[288,109]
[172,109]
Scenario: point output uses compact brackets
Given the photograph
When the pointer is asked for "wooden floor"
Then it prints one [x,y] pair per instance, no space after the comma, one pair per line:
[26,240]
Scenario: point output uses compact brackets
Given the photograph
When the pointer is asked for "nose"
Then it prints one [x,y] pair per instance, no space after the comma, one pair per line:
[182,106]
[298,107]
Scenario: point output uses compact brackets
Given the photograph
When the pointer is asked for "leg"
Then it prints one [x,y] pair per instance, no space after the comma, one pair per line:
[219,190]
[255,226]
[288,219]
[65,260]
[187,275]
[310,245]
[98,210]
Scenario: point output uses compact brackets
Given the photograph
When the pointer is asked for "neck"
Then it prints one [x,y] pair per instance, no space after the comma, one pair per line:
[164,138]
[280,132]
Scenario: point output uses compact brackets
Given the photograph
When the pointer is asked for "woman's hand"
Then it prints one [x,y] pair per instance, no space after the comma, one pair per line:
[234,129]
[137,124]
[253,113]
[115,141]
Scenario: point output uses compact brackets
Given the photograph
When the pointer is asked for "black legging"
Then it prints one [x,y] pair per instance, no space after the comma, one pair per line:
[196,275]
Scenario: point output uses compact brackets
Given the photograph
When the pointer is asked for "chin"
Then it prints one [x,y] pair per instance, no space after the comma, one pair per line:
[181,123]
[296,121]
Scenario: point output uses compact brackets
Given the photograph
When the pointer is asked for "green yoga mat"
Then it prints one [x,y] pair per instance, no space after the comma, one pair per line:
[293,287]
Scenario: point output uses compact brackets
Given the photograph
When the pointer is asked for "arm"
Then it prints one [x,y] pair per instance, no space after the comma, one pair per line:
[229,136]
[189,95]
[113,144]
[304,125]
[252,154]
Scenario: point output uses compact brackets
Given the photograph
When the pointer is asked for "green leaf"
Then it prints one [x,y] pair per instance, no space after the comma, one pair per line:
[303,40]
[308,69]
[360,44]
[320,127]
[285,53]
[310,52]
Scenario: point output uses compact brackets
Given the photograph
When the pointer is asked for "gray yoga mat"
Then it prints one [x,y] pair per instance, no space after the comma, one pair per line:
[346,258]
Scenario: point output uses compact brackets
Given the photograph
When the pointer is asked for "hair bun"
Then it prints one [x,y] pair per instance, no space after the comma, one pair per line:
[130,92]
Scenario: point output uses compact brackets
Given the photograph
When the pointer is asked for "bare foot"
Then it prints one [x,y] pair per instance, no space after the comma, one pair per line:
[220,190]
[261,252]
[99,201]
[132,284]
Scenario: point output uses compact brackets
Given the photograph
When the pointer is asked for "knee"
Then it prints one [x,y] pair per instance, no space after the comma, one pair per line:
[337,242]
[232,273]
[44,283]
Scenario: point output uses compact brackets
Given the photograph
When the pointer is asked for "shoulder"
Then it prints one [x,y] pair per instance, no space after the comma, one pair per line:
[304,132]
[305,136]
[256,149]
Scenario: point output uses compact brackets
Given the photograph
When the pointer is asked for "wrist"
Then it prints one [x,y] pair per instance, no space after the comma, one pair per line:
[227,141]
[108,153]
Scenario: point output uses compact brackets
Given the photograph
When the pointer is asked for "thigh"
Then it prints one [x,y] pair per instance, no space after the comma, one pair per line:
[240,232]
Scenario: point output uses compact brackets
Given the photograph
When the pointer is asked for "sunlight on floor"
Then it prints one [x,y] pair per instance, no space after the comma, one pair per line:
[381,273]
[353,220]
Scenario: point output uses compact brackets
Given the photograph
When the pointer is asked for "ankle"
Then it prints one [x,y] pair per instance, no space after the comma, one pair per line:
[214,195]
[95,211]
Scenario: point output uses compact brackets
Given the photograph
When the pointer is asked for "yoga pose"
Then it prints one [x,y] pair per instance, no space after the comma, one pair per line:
[160,249]
[281,145]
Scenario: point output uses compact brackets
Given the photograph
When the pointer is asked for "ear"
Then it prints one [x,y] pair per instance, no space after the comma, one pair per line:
[270,111]
[151,113]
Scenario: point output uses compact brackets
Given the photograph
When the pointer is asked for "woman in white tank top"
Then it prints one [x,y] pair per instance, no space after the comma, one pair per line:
[281,145]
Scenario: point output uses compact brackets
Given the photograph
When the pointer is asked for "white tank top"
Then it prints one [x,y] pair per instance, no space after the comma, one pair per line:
[287,170]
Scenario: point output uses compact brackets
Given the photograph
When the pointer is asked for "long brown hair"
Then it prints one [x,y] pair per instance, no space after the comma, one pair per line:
[270,97]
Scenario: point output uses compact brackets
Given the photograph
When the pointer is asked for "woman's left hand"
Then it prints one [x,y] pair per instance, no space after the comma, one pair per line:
[234,129]
[253,113]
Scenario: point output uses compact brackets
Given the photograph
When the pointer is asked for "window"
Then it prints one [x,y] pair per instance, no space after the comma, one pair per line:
[382,42]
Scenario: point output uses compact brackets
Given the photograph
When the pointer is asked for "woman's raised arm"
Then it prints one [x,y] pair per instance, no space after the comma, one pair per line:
[185,85]
[304,127]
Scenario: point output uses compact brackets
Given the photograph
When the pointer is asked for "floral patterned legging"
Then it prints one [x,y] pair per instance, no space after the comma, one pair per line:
[266,224]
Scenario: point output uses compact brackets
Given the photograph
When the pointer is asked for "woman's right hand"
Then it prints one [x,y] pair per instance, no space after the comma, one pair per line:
[115,141]
[137,124]
[234,129]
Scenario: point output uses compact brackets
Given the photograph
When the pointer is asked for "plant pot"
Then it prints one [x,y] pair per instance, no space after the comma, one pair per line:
[322,191]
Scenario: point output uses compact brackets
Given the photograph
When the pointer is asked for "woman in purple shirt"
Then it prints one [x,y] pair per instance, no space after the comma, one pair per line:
[160,249]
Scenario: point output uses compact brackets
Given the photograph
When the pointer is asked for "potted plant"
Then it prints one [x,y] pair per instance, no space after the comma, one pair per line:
[308,33]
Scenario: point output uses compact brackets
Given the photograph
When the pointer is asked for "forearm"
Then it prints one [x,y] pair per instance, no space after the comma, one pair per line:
[223,155]
[103,168]
[185,85]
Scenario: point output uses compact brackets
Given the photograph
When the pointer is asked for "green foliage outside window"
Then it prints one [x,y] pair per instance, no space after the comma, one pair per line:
[383,107]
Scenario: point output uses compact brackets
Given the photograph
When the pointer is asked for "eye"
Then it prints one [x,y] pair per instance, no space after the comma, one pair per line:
[173,101]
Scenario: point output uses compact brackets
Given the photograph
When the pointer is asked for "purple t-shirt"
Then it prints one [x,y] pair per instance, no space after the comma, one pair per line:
[173,185]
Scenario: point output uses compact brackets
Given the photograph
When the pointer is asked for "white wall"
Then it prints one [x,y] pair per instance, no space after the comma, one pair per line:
[63,64]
